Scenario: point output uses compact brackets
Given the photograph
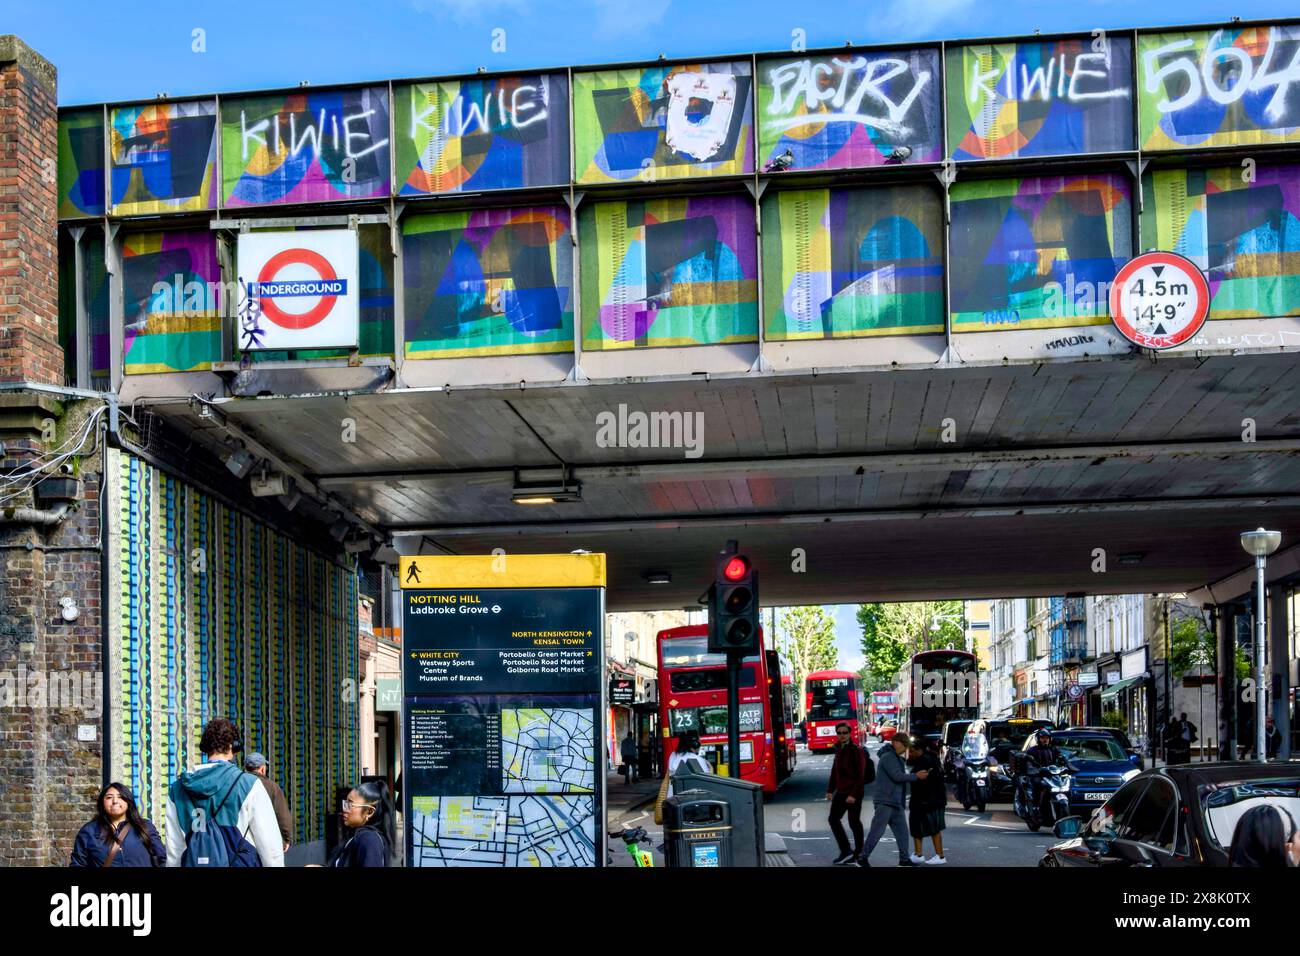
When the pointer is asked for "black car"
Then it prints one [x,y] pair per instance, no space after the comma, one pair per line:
[1174,816]
[1121,738]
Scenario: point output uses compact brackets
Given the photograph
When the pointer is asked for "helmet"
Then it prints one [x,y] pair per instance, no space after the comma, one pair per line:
[1043,732]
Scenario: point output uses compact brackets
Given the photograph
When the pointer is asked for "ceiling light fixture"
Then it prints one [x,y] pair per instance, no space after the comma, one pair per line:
[546,492]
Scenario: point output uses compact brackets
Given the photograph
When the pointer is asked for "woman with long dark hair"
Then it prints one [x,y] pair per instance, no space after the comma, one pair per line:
[368,812]
[1267,837]
[118,836]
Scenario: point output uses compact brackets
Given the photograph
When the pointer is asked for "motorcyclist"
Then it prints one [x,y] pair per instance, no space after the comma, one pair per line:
[1043,754]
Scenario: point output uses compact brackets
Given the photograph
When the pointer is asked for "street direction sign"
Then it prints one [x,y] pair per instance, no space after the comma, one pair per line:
[1159,300]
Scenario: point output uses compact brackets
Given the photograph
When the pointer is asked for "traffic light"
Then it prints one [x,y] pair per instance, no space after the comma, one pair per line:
[733,605]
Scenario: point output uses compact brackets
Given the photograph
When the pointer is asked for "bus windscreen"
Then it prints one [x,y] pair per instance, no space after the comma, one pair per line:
[830,699]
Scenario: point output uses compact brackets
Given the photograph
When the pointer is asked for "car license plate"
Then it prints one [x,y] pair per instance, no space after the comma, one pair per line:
[1096,797]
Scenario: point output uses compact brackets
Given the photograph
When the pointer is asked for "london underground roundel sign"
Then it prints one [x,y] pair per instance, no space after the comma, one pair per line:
[302,289]
[1159,300]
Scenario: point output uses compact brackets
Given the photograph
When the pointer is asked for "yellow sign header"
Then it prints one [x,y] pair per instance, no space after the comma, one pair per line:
[503,571]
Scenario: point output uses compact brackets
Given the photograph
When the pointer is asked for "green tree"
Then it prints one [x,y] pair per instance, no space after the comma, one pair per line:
[1193,646]
[807,638]
[891,633]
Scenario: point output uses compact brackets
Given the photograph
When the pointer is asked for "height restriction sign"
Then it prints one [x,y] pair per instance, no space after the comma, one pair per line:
[1159,300]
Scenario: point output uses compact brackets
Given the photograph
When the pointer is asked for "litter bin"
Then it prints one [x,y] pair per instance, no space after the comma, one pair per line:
[697,830]
[745,808]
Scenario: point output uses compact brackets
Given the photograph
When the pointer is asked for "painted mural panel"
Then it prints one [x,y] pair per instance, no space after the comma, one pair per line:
[1049,98]
[1037,252]
[305,147]
[663,122]
[163,157]
[1232,87]
[849,109]
[171,302]
[265,635]
[1245,235]
[95,290]
[492,282]
[81,163]
[490,133]
[669,272]
[847,263]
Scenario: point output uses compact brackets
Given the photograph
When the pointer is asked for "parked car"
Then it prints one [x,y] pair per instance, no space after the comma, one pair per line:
[1122,739]
[1174,816]
[1098,766]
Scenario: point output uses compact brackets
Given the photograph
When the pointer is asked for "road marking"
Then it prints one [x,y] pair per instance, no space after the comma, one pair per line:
[785,837]
[974,822]
[642,815]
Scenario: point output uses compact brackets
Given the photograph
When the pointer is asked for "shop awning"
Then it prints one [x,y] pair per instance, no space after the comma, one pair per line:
[1109,693]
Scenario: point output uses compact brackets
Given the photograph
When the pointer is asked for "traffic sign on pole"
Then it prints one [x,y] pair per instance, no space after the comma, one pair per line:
[1159,300]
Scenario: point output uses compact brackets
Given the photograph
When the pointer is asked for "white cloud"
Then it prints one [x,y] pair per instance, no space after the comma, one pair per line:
[620,18]
[470,11]
[603,18]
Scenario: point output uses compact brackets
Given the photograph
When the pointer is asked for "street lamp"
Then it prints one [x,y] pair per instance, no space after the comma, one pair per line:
[1260,544]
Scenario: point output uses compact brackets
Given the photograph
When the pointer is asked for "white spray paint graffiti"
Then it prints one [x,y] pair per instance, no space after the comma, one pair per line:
[1075,77]
[1240,74]
[268,133]
[802,78]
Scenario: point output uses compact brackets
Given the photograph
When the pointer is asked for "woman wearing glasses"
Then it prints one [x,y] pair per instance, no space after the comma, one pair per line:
[368,813]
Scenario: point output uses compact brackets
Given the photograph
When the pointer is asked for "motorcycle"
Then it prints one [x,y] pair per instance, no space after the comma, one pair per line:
[973,784]
[1043,795]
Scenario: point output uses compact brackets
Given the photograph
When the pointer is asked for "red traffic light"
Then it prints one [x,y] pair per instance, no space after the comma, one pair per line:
[735,569]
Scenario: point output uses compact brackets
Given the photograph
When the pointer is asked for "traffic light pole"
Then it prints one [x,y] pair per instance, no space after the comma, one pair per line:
[733,713]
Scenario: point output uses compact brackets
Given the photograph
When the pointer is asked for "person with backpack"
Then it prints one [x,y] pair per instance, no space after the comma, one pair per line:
[368,813]
[848,782]
[118,836]
[218,815]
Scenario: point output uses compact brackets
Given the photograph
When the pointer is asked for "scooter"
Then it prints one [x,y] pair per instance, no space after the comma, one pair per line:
[1043,795]
[972,781]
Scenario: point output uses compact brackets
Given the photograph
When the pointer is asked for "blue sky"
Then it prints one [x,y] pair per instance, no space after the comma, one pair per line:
[129,49]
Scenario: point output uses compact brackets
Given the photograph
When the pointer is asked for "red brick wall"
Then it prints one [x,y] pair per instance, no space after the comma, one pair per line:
[29,298]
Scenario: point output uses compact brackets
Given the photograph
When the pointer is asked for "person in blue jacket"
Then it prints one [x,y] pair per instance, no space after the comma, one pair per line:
[118,836]
[369,814]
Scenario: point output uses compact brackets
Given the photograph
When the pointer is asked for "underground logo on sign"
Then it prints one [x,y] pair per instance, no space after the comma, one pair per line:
[298,288]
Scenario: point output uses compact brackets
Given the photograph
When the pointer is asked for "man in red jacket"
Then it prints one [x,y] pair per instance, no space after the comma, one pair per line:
[844,791]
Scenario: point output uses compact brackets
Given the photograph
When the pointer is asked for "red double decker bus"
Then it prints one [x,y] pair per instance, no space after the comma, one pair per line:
[693,696]
[882,707]
[832,698]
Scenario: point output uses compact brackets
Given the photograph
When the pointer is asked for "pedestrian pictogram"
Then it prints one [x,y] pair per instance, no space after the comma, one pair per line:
[1159,300]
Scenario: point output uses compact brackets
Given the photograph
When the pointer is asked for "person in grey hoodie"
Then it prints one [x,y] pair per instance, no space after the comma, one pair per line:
[218,795]
[889,797]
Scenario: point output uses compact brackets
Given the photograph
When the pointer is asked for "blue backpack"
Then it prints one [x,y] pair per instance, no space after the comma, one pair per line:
[214,845]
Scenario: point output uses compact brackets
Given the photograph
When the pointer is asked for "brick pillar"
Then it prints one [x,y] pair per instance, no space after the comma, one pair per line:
[29,149]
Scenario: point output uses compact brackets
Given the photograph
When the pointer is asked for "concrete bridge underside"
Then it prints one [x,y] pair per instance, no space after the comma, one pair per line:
[1145,459]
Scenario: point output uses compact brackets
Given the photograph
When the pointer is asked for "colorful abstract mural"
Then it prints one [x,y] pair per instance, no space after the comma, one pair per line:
[1038,252]
[849,109]
[844,263]
[1245,235]
[470,135]
[1032,98]
[1233,87]
[663,122]
[171,305]
[81,163]
[305,147]
[163,157]
[95,293]
[260,629]
[668,272]
[492,282]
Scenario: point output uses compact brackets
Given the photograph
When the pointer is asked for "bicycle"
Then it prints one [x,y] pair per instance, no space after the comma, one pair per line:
[632,838]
